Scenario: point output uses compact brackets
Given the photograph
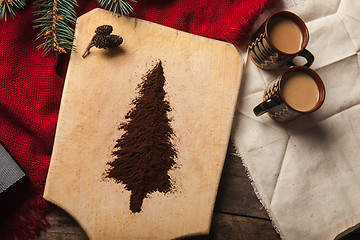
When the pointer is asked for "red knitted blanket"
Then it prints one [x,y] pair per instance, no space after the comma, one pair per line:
[31,86]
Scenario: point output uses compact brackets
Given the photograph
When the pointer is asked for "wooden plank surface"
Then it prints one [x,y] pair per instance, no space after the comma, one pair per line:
[237,214]
[232,219]
[201,88]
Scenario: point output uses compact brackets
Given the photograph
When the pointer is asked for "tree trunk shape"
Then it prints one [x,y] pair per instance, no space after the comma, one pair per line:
[136,200]
[145,153]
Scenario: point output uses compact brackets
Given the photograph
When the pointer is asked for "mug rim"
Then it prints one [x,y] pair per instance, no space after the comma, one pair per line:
[298,21]
[319,82]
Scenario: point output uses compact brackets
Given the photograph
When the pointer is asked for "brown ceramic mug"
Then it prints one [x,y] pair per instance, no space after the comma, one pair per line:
[298,91]
[278,40]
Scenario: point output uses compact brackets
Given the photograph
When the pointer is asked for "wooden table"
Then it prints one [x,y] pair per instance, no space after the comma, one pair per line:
[238,214]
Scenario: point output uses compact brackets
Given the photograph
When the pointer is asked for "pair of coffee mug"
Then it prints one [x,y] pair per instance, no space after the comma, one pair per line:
[297,91]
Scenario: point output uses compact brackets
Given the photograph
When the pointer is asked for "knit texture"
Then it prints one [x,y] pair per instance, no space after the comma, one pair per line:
[31,86]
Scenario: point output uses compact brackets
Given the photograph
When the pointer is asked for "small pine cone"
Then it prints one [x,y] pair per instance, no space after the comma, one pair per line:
[114,41]
[104,30]
[101,41]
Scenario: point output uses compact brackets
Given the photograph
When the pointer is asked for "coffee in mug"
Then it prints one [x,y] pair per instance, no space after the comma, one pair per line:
[286,35]
[279,39]
[300,91]
[297,91]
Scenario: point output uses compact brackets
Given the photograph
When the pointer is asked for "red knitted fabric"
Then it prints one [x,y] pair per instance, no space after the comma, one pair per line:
[31,87]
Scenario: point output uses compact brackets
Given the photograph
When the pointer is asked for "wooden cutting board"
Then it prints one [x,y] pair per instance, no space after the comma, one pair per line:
[202,83]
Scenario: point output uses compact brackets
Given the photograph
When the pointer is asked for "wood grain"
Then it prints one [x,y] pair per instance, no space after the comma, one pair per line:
[235,194]
[224,226]
[236,223]
[227,226]
[63,226]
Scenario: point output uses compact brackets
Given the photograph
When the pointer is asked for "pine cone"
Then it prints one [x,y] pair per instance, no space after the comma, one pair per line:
[114,41]
[104,30]
[101,41]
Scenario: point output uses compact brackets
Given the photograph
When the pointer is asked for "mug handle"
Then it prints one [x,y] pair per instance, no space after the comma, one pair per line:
[266,105]
[307,55]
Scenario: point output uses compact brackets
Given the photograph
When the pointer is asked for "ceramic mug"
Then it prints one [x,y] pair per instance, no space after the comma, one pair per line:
[297,91]
[278,40]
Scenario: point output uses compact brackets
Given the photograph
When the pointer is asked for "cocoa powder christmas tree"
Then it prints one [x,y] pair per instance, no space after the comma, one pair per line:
[145,153]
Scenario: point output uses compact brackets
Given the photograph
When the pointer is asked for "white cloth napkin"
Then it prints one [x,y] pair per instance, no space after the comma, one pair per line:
[307,172]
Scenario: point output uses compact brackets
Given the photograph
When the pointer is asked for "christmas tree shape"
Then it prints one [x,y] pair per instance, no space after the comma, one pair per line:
[145,152]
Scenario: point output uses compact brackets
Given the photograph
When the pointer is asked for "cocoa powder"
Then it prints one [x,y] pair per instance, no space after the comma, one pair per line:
[145,153]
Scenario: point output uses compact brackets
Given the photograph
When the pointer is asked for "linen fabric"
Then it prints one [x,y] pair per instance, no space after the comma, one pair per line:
[306,171]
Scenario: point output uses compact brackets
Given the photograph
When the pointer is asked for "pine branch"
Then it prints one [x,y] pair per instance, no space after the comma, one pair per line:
[10,7]
[54,17]
[117,6]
